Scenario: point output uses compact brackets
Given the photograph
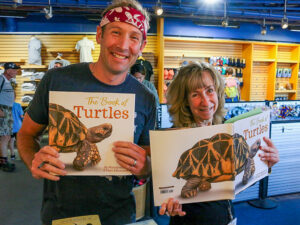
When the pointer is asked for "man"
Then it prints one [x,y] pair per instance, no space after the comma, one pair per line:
[139,72]
[7,97]
[122,36]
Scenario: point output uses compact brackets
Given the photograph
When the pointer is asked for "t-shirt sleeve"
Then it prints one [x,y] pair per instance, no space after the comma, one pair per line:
[149,124]
[38,107]
[77,47]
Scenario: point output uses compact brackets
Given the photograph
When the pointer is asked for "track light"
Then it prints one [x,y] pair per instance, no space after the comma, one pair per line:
[284,23]
[225,22]
[158,9]
[48,12]
[263,28]
[225,18]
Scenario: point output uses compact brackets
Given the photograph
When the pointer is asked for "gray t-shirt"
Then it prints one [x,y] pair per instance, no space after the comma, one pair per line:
[7,96]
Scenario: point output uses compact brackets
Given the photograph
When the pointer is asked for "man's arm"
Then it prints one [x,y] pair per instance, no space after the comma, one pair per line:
[33,156]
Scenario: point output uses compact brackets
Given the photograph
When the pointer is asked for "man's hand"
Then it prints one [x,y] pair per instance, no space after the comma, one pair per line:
[46,163]
[172,208]
[132,157]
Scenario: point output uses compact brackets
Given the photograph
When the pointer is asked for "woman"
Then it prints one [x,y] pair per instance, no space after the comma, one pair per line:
[196,99]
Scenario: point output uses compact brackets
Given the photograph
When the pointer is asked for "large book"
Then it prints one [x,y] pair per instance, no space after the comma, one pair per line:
[83,127]
[208,163]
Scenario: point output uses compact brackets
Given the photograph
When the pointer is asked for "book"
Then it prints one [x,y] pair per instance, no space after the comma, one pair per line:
[83,127]
[208,163]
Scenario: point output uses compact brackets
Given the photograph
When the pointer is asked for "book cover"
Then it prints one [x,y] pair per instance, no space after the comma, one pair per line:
[207,163]
[253,129]
[83,127]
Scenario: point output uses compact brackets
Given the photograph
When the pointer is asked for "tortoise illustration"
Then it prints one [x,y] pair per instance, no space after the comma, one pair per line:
[68,134]
[215,159]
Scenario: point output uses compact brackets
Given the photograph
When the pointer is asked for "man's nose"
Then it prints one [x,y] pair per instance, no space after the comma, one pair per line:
[123,42]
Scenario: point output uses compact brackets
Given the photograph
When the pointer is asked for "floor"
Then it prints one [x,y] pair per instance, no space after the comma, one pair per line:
[20,197]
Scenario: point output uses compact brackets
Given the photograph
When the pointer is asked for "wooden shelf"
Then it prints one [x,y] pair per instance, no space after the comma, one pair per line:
[11,59]
[28,92]
[284,91]
[31,66]
[263,60]
[60,50]
[286,61]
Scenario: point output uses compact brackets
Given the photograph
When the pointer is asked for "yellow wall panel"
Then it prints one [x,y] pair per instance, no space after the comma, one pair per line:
[15,48]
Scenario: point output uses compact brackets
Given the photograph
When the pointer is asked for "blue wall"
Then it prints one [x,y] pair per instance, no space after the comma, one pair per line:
[55,24]
[173,27]
[247,31]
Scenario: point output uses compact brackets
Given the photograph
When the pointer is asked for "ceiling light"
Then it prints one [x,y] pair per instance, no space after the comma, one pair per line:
[263,28]
[48,13]
[284,23]
[18,1]
[158,8]
[225,18]
[272,27]
[225,22]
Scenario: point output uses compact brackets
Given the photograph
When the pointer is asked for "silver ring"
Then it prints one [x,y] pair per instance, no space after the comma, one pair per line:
[134,163]
[41,165]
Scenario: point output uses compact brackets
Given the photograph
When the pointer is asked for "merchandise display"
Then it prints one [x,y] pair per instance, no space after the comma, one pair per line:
[285,110]
[85,46]
[34,51]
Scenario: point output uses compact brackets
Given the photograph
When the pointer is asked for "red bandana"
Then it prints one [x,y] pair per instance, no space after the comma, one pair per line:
[127,15]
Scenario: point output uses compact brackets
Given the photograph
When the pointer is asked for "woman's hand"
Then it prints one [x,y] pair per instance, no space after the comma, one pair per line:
[172,208]
[270,154]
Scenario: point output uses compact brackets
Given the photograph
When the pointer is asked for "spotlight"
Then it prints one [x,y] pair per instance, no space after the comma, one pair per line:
[263,30]
[17,1]
[48,13]
[225,22]
[158,9]
[284,23]
[225,18]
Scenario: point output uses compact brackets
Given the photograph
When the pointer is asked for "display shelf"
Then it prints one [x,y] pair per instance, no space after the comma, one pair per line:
[286,61]
[263,60]
[31,66]
[11,59]
[60,50]
[285,91]
[24,104]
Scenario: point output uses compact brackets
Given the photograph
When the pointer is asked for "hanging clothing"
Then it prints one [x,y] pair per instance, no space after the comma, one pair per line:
[85,46]
[34,51]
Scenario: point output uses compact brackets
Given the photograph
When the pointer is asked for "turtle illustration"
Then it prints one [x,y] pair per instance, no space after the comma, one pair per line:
[215,159]
[68,134]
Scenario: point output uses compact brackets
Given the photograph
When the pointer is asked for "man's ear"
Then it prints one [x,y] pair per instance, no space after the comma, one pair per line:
[143,45]
[99,34]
